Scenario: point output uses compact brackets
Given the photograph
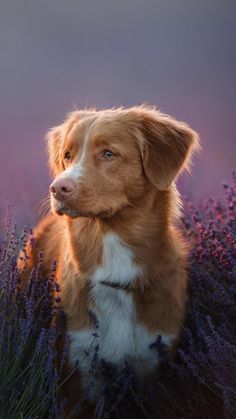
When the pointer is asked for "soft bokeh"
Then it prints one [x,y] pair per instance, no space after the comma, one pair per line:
[57,54]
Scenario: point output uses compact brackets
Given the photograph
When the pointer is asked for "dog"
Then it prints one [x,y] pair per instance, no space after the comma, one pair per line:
[114,233]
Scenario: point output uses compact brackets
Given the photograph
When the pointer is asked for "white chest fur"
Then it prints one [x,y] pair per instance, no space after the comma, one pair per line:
[118,264]
[120,336]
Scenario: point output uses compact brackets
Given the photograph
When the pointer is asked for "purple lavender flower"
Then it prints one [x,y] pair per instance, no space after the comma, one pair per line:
[29,378]
[199,383]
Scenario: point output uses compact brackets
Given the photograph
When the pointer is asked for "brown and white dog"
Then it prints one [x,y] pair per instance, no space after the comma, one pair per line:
[113,231]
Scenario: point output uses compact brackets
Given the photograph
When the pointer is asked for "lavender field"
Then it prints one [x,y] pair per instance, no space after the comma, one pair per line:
[199,383]
[180,56]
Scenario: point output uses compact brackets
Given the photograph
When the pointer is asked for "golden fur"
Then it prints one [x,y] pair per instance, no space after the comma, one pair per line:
[132,194]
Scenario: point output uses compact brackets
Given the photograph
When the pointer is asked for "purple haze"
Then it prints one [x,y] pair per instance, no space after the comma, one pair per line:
[54,55]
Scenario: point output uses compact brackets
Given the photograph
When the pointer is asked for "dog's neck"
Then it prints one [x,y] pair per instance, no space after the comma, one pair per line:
[147,230]
[144,228]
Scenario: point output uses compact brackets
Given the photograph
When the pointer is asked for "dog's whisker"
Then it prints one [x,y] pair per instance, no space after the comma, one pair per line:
[44,206]
[45,211]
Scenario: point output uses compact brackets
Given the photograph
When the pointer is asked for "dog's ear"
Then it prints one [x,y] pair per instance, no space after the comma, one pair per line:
[55,138]
[56,135]
[167,147]
[54,143]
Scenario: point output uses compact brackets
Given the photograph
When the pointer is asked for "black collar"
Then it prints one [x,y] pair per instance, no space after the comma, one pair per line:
[116,285]
[127,287]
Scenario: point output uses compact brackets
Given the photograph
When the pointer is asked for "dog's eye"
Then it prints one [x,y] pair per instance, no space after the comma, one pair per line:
[107,154]
[67,155]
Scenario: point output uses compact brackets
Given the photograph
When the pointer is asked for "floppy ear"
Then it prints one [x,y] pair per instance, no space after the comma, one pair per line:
[54,138]
[167,147]
[54,142]
[56,135]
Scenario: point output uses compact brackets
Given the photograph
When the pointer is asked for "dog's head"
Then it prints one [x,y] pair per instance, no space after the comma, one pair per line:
[104,161]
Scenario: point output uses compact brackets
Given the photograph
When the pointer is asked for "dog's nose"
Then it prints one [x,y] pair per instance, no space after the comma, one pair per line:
[61,188]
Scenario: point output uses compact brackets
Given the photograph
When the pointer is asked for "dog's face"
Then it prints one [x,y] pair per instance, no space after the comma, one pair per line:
[104,161]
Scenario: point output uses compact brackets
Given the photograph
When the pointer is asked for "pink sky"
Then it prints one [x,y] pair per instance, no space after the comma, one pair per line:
[54,55]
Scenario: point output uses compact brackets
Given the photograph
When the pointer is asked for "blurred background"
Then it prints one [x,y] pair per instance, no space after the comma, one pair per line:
[60,54]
